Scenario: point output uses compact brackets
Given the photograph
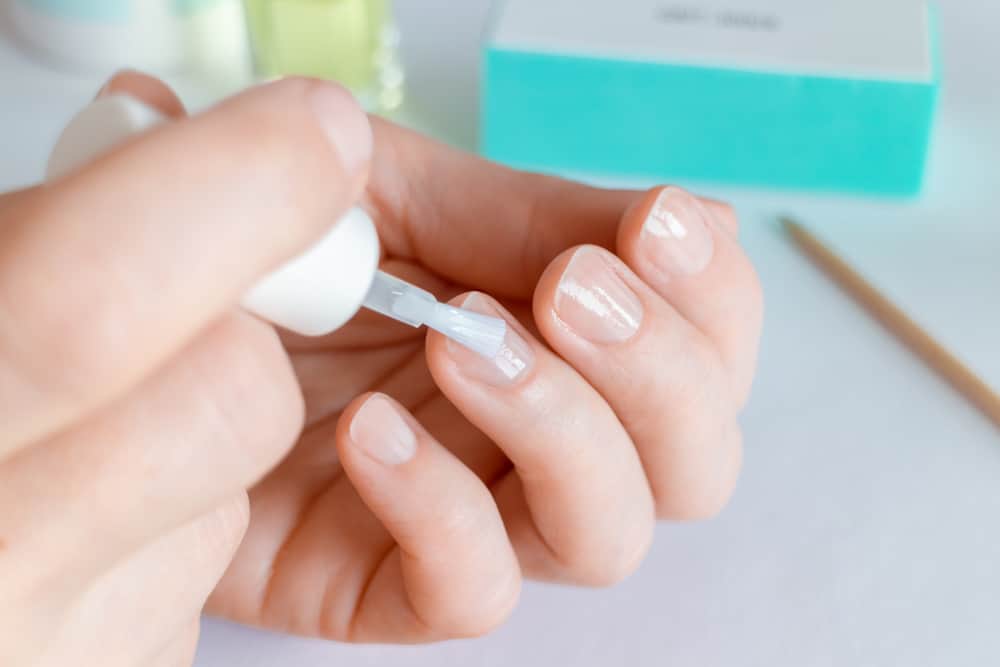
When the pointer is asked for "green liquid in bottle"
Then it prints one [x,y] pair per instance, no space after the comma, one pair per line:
[353,42]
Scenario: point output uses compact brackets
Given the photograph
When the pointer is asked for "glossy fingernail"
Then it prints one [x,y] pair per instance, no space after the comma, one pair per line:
[595,302]
[676,237]
[382,433]
[511,365]
[344,123]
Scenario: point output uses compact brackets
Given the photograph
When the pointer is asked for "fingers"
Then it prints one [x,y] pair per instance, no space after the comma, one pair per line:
[584,512]
[478,223]
[454,574]
[207,426]
[660,374]
[165,584]
[684,251]
[108,272]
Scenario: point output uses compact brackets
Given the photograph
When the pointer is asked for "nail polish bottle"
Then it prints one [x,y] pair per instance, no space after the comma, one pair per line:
[323,288]
[353,42]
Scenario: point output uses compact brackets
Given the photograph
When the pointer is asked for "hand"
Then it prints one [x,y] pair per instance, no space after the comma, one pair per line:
[414,518]
[137,405]
[551,462]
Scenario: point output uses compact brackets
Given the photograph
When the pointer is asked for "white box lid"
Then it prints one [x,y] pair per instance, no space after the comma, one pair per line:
[866,39]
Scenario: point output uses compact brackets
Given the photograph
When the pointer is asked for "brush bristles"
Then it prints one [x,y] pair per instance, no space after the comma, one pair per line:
[482,334]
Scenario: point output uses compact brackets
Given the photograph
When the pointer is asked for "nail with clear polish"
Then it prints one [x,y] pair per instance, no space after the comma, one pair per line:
[382,433]
[594,301]
[676,234]
[510,365]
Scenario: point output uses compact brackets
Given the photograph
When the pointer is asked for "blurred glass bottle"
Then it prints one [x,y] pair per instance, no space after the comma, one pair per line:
[206,38]
[354,42]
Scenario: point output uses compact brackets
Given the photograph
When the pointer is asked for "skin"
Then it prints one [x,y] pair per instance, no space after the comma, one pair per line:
[162,452]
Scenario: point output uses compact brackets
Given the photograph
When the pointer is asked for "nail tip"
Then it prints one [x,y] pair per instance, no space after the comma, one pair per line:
[483,334]
[503,357]
[381,431]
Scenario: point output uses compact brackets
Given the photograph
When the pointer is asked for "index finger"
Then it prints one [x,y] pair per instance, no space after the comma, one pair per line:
[479,223]
[110,271]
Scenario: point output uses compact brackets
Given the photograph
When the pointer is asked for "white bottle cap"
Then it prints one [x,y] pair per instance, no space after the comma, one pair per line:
[314,294]
[322,289]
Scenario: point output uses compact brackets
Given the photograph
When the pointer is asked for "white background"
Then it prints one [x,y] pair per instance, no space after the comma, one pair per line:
[865,530]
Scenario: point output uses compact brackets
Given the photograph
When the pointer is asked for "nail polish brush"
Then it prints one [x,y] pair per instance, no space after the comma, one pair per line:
[322,289]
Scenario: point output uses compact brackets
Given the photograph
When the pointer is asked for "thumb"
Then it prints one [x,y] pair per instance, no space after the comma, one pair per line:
[156,239]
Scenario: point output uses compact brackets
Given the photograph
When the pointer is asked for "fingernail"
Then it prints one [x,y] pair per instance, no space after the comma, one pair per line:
[344,123]
[511,365]
[382,433]
[108,86]
[595,302]
[676,236]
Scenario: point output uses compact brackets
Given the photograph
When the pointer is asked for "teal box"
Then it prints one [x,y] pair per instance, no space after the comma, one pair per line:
[774,93]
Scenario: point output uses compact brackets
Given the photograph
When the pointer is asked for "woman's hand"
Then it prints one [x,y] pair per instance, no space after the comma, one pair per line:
[429,481]
[138,406]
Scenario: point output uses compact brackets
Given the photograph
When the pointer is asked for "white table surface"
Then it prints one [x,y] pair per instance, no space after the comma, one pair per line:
[865,529]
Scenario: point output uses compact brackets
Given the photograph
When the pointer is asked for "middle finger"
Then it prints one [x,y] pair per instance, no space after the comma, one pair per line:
[662,376]
[577,507]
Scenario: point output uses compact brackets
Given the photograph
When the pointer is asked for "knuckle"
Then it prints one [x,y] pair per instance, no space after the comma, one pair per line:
[702,492]
[621,564]
[254,395]
[213,539]
[490,610]
[459,522]
[60,342]
[224,529]
[691,395]
[604,562]
[482,596]
[465,578]
[693,445]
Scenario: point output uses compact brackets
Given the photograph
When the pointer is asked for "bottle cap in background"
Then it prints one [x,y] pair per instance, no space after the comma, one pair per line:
[206,37]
